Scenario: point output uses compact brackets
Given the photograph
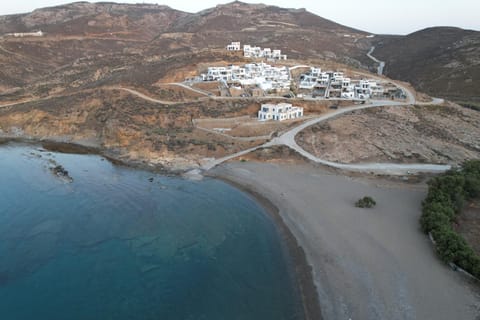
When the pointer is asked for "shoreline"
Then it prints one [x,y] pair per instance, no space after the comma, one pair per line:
[365,264]
[302,270]
[78,148]
[346,262]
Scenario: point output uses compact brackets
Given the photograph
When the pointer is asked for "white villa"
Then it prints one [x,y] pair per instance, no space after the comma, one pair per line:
[234,46]
[279,112]
[262,75]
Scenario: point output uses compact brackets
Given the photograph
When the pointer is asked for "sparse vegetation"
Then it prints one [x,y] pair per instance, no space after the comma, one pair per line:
[366,202]
[446,197]
[470,105]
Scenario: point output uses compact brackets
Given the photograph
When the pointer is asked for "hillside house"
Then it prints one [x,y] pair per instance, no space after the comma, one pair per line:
[267,53]
[279,112]
[364,89]
[234,46]
[315,78]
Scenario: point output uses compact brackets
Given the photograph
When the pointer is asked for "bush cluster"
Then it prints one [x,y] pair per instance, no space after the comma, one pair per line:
[446,197]
[365,202]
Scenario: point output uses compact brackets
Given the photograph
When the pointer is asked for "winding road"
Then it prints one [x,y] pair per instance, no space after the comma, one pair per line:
[288,139]
[141,95]
[183,85]
[381,64]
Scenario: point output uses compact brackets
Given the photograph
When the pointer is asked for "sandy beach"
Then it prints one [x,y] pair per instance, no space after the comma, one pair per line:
[367,263]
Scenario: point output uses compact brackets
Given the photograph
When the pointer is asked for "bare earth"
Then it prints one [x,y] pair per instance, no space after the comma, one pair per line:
[367,264]
[432,134]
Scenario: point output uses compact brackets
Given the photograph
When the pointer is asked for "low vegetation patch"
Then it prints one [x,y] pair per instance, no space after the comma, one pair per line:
[366,202]
[447,195]
[471,105]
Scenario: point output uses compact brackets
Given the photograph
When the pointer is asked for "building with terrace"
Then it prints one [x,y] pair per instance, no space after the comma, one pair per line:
[279,112]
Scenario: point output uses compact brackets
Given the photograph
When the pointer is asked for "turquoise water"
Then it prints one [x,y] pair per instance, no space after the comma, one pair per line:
[114,245]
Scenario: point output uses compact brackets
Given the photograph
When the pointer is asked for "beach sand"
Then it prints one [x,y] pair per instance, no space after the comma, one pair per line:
[367,263]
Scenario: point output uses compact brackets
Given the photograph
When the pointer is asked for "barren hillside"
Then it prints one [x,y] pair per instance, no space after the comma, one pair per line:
[443,62]
[142,34]
[430,134]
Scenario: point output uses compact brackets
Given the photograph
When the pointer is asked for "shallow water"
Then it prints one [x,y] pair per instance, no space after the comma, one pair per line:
[114,245]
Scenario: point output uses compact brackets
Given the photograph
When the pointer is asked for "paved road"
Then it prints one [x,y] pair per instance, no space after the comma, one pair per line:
[434,101]
[183,85]
[246,139]
[288,139]
[298,66]
[381,63]
[213,163]
[141,95]
[131,91]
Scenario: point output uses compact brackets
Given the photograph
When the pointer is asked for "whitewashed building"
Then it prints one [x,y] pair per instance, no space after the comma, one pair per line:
[257,52]
[334,84]
[315,78]
[279,112]
[234,46]
[365,88]
[262,75]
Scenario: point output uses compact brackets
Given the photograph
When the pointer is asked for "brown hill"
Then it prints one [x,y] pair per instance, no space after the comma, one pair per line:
[84,29]
[74,33]
[441,61]
[297,32]
[144,21]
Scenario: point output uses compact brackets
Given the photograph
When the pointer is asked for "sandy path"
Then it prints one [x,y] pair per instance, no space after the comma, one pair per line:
[368,264]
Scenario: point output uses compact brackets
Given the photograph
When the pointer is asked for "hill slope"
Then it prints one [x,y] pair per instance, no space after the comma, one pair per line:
[82,30]
[441,61]
[297,32]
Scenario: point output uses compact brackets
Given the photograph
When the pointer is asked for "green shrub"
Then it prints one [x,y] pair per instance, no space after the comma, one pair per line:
[472,186]
[365,202]
[434,221]
[446,197]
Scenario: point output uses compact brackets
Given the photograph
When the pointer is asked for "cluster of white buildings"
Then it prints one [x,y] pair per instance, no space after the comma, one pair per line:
[336,85]
[257,52]
[261,75]
[279,112]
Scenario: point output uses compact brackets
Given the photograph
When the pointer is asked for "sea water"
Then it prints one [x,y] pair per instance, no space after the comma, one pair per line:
[118,243]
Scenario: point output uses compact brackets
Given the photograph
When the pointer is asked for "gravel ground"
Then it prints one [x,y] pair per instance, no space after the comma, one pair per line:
[367,263]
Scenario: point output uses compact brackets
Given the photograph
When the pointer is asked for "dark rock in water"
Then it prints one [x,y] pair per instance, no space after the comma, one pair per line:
[150,179]
[60,171]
